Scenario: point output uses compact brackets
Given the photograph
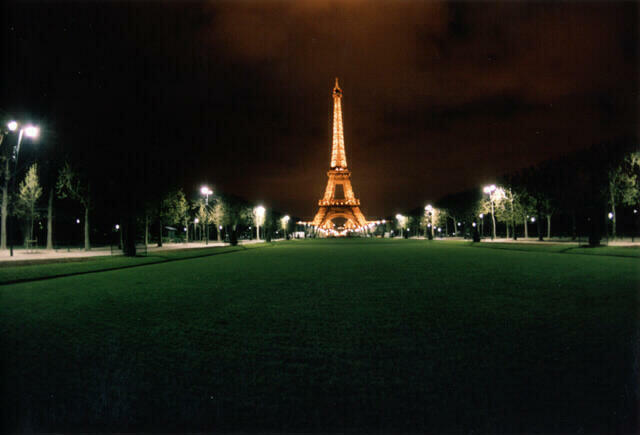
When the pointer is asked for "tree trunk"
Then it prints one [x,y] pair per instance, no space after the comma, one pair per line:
[146,230]
[50,221]
[613,223]
[548,226]
[539,225]
[507,226]
[159,233]
[5,205]
[612,199]
[526,228]
[87,243]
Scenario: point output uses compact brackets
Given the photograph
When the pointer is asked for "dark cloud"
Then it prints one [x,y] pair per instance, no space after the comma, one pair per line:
[437,96]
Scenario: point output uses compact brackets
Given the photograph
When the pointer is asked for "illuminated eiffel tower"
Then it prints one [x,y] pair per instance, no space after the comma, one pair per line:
[331,205]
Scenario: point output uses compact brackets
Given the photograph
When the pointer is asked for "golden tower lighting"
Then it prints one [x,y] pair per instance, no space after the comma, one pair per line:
[332,207]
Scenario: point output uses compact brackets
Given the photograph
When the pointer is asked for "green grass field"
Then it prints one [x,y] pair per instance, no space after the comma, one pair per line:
[326,335]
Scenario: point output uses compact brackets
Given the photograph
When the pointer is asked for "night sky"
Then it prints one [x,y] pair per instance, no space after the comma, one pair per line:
[438,97]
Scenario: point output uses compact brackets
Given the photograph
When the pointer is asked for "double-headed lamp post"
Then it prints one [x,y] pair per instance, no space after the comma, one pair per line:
[490,189]
[30,131]
[259,211]
[204,190]
[285,224]
[429,210]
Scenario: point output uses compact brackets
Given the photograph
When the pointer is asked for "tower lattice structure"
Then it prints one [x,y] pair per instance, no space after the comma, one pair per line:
[331,207]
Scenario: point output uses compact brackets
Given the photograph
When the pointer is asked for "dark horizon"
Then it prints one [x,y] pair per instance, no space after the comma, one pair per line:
[438,97]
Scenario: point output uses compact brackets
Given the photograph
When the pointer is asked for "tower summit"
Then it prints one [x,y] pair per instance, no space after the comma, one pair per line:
[339,205]
[338,155]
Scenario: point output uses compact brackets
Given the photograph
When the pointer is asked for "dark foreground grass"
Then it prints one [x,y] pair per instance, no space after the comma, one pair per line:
[325,336]
[10,273]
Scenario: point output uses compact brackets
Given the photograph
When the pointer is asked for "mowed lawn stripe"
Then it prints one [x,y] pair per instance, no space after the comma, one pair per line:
[328,335]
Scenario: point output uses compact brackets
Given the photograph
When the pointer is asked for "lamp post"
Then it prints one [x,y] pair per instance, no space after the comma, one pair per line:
[259,212]
[481,215]
[285,224]
[32,132]
[204,190]
[429,210]
[490,189]
[195,228]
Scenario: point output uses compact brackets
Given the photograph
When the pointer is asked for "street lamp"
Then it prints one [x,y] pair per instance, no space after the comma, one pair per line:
[481,216]
[429,210]
[490,189]
[401,223]
[31,131]
[285,223]
[259,212]
[204,190]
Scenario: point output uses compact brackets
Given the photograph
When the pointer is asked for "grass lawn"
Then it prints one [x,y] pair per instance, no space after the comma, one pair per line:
[329,335]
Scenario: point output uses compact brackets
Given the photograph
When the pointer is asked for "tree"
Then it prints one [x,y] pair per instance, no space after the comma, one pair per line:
[217,216]
[461,206]
[622,187]
[71,185]
[258,216]
[172,209]
[28,194]
[236,212]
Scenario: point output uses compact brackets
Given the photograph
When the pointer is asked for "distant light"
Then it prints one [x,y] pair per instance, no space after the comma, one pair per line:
[77,221]
[533,219]
[635,211]
[429,225]
[32,131]
[185,229]
[220,226]
[117,227]
[196,220]
[205,190]
[260,210]
[610,215]
[383,221]
[429,207]
[439,229]
[286,218]
[473,224]
[481,215]
[13,126]
[459,224]
[489,189]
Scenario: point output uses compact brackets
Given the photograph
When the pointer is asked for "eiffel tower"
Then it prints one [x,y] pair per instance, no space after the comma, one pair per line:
[332,207]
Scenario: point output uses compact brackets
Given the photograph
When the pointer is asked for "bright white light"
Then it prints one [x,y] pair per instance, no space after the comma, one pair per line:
[286,218]
[481,215]
[429,225]
[489,189]
[459,224]
[474,224]
[220,226]
[32,131]
[77,221]
[398,216]
[117,227]
[13,126]
[439,229]
[429,207]
[196,220]
[205,190]
[533,219]
[610,215]
[260,210]
[185,229]
[635,211]
[383,221]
